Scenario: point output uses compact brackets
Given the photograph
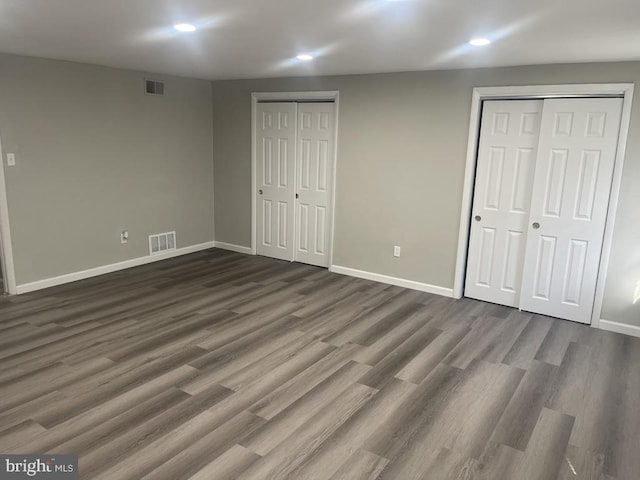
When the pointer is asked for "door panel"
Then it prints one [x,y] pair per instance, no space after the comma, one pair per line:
[569,202]
[314,180]
[555,182]
[267,214]
[545,261]
[512,262]
[504,176]
[276,143]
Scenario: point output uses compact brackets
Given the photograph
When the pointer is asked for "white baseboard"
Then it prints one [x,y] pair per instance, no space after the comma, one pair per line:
[114,267]
[233,248]
[632,330]
[400,282]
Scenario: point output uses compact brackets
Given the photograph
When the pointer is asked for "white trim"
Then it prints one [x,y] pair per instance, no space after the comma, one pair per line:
[256,97]
[254,178]
[114,267]
[554,91]
[613,206]
[632,330]
[400,282]
[6,247]
[234,248]
[336,116]
[294,96]
[544,91]
[467,194]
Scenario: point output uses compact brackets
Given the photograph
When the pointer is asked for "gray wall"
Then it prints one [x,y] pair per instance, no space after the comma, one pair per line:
[96,156]
[401,157]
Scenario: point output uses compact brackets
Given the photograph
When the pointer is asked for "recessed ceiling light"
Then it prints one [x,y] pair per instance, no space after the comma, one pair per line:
[184,27]
[304,56]
[479,42]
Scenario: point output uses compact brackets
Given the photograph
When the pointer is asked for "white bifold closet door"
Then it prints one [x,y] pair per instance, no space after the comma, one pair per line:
[275,174]
[295,160]
[542,191]
[569,204]
[314,177]
[502,197]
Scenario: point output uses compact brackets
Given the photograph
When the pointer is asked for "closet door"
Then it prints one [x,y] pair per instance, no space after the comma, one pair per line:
[504,176]
[570,198]
[314,182]
[275,172]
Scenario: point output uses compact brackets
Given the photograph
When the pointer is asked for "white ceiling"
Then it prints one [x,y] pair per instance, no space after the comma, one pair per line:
[260,38]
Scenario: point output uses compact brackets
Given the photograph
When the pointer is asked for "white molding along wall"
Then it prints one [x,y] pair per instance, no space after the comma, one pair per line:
[114,267]
[233,248]
[352,272]
[6,248]
[619,328]
[400,282]
[624,90]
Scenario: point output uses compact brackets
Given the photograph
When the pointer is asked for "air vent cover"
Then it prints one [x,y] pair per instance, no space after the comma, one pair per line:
[153,87]
[162,242]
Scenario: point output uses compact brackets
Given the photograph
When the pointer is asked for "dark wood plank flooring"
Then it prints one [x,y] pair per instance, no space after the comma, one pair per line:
[223,366]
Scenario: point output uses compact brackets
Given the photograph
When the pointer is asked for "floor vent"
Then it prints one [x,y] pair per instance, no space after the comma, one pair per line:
[162,242]
[153,87]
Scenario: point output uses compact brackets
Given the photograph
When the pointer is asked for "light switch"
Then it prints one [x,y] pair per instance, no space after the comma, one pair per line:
[11,159]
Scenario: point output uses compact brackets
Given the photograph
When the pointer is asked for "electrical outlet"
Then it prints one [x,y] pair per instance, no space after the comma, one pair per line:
[124,236]
[396,251]
[11,159]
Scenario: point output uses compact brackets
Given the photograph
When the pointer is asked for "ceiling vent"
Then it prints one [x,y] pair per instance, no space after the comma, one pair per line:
[162,242]
[153,87]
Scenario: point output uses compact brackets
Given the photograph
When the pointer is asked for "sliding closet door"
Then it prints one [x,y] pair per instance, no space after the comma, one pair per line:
[275,173]
[506,161]
[572,184]
[314,182]
[543,183]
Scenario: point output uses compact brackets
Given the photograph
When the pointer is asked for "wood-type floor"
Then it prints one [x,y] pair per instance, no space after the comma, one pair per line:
[218,365]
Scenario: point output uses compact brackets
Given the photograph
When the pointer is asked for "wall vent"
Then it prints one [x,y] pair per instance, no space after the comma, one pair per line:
[153,87]
[162,242]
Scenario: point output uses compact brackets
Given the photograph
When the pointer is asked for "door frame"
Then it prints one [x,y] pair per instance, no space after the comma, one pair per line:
[257,97]
[6,251]
[624,90]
